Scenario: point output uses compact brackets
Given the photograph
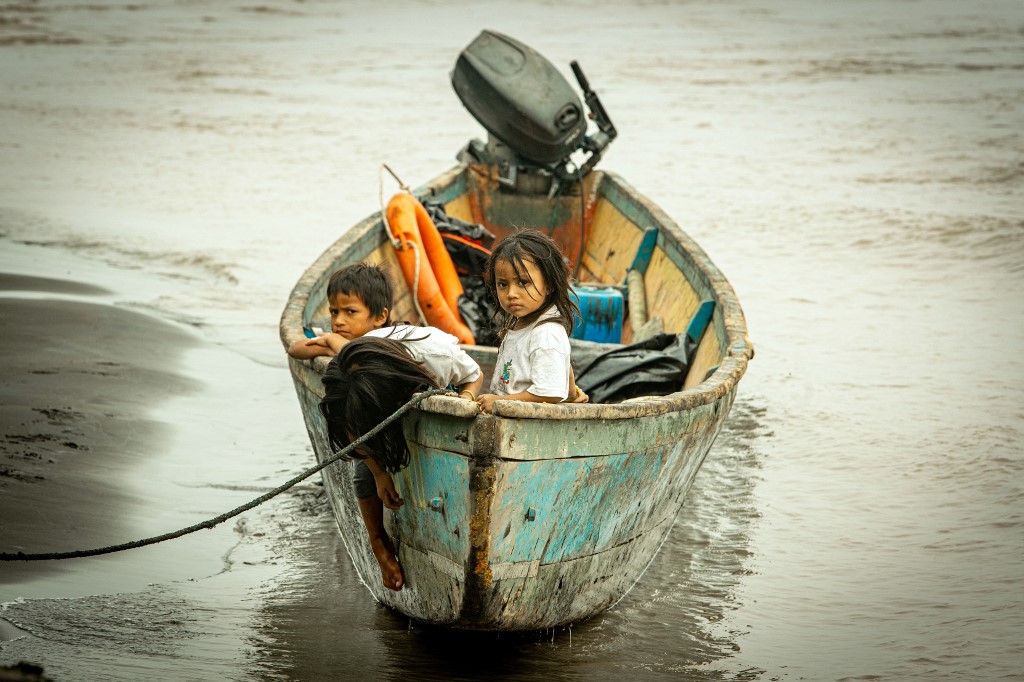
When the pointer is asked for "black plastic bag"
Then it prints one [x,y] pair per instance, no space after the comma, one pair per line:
[468,257]
[657,366]
[446,224]
[477,310]
[469,246]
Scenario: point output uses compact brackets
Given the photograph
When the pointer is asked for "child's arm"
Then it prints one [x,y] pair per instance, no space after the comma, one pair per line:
[472,387]
[328,344]
[487,400]
[576,394]
[464,366]
[385,486]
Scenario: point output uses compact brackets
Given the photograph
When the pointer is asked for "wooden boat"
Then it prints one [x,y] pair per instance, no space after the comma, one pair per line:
[536,515]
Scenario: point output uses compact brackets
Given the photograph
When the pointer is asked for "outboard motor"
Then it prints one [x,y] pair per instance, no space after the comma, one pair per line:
[535,121]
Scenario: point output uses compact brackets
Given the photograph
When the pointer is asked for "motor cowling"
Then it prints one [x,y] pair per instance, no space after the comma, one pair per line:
[533,115]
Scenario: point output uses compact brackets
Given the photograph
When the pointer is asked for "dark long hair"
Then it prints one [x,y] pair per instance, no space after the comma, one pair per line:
[364,384]
[535,246]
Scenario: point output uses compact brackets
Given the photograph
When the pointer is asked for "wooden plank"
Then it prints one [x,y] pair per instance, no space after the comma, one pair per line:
[709,354]
[611,245]
[460,208]
[643,253]
[434,588]
[669,294]
[556,509]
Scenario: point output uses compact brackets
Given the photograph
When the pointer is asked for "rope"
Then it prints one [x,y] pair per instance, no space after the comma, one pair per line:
[210,523]
[383,207]
[401,184]
[416,284]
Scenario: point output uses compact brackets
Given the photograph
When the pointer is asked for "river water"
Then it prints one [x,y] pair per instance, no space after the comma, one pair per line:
[856,169]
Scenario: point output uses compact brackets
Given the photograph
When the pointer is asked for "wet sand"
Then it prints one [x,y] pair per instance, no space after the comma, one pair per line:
[120,425]
[77,380]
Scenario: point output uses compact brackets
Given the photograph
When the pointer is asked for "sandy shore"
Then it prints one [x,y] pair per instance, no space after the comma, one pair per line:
[77,378]
[115,425]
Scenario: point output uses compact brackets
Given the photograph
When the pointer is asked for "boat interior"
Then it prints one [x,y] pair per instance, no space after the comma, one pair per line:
[605,233]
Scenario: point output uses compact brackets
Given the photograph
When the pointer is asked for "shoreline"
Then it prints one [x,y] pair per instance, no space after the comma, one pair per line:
[78,379]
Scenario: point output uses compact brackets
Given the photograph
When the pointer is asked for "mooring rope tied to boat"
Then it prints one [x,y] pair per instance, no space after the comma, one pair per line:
[210,523]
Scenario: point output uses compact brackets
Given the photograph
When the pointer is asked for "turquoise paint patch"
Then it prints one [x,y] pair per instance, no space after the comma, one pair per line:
[646,249]
[582,506]
[441,527]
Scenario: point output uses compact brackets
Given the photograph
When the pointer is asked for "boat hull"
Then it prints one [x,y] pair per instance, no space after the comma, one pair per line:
[537,515]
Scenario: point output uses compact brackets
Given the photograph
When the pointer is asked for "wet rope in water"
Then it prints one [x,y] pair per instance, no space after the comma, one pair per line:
[210,523]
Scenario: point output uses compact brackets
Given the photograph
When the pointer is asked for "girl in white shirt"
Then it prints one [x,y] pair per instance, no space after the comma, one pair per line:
[528,276]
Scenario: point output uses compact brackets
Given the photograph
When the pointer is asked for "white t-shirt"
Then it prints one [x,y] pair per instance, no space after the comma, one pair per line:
[437,350]
[534,359]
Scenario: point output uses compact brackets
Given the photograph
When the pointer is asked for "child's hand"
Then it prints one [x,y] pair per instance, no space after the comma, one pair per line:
[329,344]
[486,402]
[307,349]
[335,342]
[318,341]
[387,493]
[581,397]
[385,486]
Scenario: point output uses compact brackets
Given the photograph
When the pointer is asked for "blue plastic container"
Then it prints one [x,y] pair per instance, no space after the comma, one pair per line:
[601,310]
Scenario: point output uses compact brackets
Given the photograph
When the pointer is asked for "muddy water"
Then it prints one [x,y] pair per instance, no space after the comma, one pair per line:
[855,169]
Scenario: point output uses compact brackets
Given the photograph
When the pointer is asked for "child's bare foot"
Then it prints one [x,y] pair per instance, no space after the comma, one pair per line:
[390,569]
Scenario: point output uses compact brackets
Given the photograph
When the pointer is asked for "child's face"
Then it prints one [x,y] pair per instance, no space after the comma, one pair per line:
[351,318]
[519,296]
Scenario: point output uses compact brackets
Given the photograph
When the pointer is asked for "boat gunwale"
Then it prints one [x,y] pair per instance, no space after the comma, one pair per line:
[723,381]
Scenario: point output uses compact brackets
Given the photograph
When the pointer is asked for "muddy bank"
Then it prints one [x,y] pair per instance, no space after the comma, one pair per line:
[78,379]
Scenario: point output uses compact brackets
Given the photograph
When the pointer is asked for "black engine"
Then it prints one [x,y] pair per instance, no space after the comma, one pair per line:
[535,120]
